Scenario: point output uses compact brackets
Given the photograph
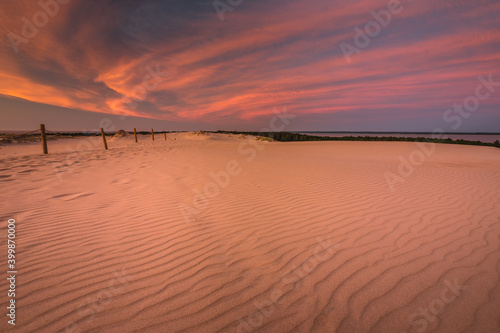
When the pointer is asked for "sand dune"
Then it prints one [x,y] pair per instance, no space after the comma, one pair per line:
[217,233]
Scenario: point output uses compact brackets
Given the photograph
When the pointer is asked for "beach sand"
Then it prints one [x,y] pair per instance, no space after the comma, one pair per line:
[222,233]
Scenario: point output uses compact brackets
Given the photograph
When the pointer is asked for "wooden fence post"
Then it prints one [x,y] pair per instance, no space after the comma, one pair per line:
[104,139]
[165,136]
[152,135]
[135,135]
[44,138]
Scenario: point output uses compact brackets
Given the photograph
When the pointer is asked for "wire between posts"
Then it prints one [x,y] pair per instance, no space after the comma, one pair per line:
[25,133]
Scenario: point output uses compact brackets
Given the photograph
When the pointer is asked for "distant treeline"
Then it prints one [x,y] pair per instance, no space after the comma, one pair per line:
[286,136]
[71,134]
[278,136]
[34,137]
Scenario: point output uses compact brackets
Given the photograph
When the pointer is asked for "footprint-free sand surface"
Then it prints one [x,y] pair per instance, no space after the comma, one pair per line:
[219,233]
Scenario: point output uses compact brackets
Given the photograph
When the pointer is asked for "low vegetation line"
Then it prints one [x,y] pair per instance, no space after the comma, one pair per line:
[287,137]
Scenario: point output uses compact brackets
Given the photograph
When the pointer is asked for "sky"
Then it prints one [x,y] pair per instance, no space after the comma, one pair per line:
[331,65]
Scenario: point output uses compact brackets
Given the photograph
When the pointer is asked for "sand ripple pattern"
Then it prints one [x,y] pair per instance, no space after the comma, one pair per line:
[108,250]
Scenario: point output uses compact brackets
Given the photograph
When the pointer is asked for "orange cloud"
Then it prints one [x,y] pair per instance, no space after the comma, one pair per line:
[95,57]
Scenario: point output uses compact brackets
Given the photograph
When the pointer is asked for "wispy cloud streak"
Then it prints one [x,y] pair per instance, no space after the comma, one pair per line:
[264,54]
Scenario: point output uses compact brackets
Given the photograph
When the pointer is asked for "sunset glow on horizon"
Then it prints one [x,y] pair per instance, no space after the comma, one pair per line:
[188,66]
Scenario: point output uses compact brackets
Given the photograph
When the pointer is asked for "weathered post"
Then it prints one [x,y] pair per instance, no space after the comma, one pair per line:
[44,138]
[104,139]
[135,135]
[152,135]
[165,136]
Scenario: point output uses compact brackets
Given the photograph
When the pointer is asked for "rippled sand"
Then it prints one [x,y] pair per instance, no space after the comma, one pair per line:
[218,233]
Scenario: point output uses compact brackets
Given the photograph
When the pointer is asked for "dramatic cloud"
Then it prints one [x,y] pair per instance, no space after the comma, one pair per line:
[112,57]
